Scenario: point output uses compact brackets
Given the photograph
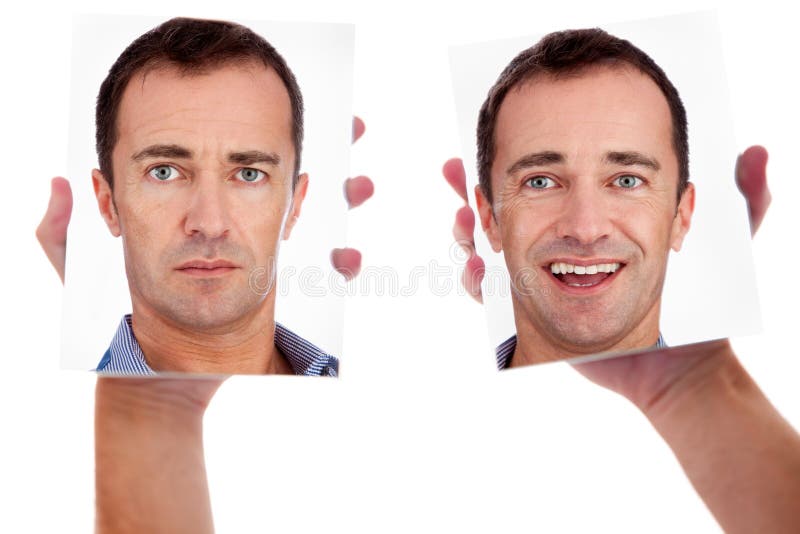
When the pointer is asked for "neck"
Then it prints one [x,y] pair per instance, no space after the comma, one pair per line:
[534,346]
[246,346]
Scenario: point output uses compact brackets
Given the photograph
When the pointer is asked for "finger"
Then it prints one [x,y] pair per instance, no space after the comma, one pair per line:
[346,261]
[357,190]
[453,171]
[464,228]
[751,177]
[472,276]
[52,231]
[358,128]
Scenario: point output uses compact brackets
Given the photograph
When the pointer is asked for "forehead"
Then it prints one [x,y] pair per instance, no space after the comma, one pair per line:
[597,110]
[231,104]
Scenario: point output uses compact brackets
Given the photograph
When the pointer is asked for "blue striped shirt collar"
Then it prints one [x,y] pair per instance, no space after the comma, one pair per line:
[125,356]
[505,350]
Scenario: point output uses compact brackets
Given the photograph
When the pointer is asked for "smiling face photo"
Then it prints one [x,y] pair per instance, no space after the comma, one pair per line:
[585,187]
[203,170]
[584,196]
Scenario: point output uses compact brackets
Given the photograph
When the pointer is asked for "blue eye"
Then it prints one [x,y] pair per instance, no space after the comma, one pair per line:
[250,175]
[540,182]
[163,173]
[627,181]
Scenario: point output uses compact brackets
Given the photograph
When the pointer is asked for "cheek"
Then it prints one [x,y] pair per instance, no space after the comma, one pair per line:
[523,223]
[142,207]
[151,224]
[153,219]
[260,222]
[648,226]
[145,232]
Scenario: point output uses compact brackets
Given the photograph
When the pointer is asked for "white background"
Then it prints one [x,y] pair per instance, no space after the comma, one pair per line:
[694,307]
[96,293]
[420,433]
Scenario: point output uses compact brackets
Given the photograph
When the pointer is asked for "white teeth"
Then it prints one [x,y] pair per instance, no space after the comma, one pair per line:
[564,268]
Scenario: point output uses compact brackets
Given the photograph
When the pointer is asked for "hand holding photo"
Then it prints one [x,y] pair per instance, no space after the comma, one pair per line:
[208,148]
[583,190]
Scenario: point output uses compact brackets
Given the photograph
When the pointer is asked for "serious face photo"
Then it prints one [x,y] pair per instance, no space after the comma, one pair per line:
[586,191]
[216,154]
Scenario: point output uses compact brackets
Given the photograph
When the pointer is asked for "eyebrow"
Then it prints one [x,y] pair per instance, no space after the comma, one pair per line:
[631,159]
[536,159]
[548,157]
[254,156]
[247,157]
[163,151]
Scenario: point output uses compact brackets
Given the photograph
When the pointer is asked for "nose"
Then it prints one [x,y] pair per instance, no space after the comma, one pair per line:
[207,212]
[585,215]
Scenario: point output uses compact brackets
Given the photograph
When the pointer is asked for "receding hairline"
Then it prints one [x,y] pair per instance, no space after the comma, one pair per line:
[190,70]
[582,71]
[245,64]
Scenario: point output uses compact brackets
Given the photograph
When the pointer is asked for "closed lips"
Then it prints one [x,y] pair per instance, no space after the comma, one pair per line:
[219,264]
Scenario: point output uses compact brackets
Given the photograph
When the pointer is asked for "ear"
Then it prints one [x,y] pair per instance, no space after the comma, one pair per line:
[488,220]
[105,201]
[297,202]
[683,218]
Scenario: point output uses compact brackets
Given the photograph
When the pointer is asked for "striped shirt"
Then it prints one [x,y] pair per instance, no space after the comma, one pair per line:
[505,350]
[125,356]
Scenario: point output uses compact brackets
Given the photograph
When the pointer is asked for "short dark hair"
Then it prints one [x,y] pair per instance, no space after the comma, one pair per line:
[570,53]
[194,46]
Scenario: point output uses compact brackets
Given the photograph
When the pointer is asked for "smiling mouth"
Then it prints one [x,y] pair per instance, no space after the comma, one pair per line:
[584,276]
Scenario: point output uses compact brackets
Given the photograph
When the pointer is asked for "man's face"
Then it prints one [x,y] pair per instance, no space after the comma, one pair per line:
[202,191]
[585,182]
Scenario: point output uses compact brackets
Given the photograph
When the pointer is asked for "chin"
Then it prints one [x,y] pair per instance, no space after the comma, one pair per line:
[587,340]
[204,314]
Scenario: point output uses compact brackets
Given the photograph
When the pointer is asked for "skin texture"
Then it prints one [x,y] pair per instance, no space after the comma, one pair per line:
[563,192]
[141,421]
